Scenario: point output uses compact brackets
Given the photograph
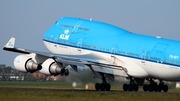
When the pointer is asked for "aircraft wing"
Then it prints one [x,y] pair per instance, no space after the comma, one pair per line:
[78,60]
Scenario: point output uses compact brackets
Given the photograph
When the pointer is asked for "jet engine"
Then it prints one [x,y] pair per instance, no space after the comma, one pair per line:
[25,63]
[50,67]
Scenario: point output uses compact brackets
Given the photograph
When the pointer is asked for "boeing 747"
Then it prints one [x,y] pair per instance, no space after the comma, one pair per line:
[107,50]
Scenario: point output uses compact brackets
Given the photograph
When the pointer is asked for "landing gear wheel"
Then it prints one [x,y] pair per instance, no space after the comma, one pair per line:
[155,87]
[135,87]
[150,88]
[108,87]
[102,86]
[145,87]
[130,87]
[165,88]
[125,87]
[159,87]
[97,86]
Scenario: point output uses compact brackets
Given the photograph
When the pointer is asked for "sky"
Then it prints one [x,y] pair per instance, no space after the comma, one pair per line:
[28,20]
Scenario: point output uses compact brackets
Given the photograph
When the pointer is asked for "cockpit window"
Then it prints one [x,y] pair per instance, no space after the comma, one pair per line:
[57,22]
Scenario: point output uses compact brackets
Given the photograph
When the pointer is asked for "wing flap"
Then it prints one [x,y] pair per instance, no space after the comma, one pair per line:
[70,61]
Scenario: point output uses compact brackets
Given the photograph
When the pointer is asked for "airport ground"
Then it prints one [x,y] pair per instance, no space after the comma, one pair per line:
[62,91]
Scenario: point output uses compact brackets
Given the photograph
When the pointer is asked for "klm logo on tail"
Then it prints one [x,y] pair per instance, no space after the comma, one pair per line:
[66,35]
[10,44]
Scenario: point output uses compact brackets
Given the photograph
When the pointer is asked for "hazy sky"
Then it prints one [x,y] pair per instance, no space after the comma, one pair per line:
[27,20]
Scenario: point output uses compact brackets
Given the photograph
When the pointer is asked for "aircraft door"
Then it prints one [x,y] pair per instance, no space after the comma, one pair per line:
[76,26]
[113,53]
[56,39]
[143,56]
[157,52]
[113,50]
[79,44]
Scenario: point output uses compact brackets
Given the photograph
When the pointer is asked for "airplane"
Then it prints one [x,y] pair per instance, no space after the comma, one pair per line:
[107,50]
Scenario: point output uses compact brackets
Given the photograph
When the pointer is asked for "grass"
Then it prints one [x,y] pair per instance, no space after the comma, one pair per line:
[8,93]
[35,84]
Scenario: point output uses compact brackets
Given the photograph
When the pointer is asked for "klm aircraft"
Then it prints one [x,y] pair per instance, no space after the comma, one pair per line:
[107,50]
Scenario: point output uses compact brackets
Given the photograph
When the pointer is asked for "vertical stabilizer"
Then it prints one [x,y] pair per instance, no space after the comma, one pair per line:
[10,43]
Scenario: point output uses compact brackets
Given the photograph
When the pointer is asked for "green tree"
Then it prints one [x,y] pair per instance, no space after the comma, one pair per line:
[7,70]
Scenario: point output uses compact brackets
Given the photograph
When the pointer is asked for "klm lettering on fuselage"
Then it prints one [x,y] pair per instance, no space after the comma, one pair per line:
[66,35]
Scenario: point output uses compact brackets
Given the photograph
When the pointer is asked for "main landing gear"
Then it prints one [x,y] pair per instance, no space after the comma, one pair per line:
[104,86]
[132,86]
[154,87]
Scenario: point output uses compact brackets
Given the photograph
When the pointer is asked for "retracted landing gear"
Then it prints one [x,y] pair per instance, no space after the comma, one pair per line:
[154,87]
[104,86]
[132,86]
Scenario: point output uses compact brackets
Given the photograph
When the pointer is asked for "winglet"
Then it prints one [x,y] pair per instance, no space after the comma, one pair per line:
[10,43]
[10,47]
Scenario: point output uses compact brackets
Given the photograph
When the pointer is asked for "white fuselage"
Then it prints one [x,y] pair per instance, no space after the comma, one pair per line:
[135,67]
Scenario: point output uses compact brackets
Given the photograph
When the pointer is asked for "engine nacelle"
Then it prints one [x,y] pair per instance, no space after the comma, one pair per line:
[25,63]
[50,67]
